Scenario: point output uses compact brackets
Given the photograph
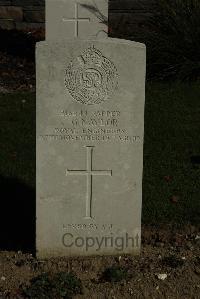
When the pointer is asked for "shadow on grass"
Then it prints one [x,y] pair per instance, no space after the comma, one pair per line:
[17,216]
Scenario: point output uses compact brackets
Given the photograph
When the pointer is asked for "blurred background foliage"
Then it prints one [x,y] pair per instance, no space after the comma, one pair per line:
[172,37]
[174,41]
[171,34]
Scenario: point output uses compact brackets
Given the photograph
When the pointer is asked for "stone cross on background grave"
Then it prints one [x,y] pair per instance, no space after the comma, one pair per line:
[90,124]
[76,18]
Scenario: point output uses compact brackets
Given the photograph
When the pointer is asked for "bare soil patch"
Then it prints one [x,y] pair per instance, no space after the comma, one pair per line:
[175,253]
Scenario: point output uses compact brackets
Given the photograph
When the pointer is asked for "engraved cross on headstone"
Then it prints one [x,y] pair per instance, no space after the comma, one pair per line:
[89,172]
[76,20]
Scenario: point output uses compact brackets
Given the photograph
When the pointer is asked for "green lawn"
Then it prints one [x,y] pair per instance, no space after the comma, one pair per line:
[172,136]
[172,128]
[17,142]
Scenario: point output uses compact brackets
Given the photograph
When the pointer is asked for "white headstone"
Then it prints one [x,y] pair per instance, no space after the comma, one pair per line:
[76,18]
[90,126]
[90,118]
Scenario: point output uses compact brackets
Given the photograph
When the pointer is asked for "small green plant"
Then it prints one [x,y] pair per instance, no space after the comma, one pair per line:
[93,8]
[40,288]
[46,286]
[114,274]
[67,285]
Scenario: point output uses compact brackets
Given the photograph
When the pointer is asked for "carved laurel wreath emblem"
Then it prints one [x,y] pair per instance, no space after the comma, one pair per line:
[91,78]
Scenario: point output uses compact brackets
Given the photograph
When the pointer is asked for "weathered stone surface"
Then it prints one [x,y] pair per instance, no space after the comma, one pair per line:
[34,16]
[7,24]
[61,15]
[5,2]
[90,123]
[28,2]
[24,26]
[11,12]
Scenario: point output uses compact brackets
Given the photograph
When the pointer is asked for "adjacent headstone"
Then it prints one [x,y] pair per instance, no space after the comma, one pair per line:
[76,18]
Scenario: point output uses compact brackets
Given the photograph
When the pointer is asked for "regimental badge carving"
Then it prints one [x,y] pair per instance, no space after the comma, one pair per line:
[91,78]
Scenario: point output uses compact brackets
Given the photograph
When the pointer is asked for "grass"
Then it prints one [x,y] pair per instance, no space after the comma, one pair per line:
[17,143]
[172,126]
